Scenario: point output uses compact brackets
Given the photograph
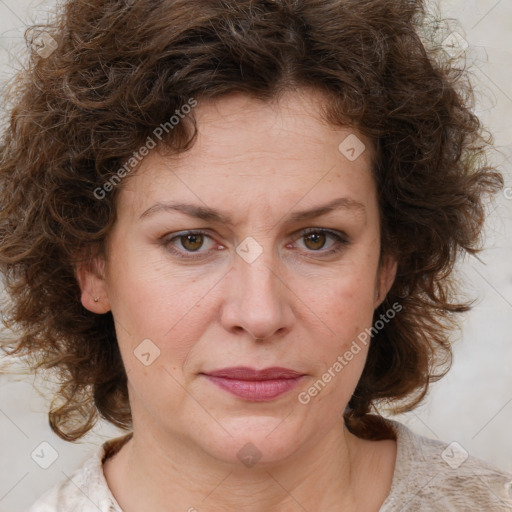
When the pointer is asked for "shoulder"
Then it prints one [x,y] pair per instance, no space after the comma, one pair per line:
[432,475]
[86,490]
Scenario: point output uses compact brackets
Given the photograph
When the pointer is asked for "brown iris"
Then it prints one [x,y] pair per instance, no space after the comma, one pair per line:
[318,240]
[192,242]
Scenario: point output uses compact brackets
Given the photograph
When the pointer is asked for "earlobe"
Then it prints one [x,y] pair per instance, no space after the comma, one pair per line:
[385,278]
[91,280]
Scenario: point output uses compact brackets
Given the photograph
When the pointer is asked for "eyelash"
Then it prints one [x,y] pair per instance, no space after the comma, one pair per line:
[341,242]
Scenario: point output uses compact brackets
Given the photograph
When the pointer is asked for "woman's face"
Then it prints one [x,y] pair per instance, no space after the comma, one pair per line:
[253,288]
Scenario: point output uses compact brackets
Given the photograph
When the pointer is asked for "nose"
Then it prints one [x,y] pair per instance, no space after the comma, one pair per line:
[257,299]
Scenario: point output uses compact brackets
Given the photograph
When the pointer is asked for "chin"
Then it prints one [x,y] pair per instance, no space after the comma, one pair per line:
[254,440]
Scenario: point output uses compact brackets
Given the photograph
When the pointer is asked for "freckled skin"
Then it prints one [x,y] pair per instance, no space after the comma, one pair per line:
[258,163]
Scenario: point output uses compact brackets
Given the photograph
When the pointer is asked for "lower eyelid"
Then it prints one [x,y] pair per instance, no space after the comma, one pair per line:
[339,242]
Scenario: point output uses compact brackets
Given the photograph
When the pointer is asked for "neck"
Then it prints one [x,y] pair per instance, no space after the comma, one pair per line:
[155,475]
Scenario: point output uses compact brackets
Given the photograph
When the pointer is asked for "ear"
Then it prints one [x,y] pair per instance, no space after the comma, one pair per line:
[385,278]
[91,279]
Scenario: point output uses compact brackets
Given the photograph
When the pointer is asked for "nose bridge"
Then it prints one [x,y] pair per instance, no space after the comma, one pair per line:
[258,304]
[258,280]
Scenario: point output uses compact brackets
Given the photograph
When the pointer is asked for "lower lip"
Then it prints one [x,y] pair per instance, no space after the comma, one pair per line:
[256,390]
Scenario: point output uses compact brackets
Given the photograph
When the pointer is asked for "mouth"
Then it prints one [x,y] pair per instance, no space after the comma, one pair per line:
[255,385]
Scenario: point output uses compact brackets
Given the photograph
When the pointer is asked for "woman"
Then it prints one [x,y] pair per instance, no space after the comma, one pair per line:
[230,228]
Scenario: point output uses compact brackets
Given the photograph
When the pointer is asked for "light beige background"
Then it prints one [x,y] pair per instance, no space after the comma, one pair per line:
[472,405]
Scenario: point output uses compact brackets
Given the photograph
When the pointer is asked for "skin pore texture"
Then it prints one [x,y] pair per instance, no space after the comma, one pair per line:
[206,308]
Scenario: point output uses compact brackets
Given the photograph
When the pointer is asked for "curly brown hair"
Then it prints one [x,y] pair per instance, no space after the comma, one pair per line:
[118,69]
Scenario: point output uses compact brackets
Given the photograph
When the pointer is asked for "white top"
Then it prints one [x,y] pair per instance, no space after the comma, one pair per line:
[429,476]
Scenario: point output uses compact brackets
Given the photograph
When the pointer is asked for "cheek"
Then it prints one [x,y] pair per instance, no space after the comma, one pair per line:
[340,355]
[345,301]
[148,301]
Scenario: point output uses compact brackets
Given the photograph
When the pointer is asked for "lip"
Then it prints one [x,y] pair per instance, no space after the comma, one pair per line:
[255,385]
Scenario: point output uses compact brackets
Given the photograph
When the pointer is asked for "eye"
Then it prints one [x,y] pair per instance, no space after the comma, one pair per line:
[316,238]
[186,243]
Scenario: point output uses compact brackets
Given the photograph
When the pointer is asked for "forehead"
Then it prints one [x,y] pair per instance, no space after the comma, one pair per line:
[268,153]
[238,124]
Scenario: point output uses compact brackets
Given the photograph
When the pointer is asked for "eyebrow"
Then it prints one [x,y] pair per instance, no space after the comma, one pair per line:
[210,214]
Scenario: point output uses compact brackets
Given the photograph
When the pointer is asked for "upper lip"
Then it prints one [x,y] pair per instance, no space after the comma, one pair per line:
[247,373]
